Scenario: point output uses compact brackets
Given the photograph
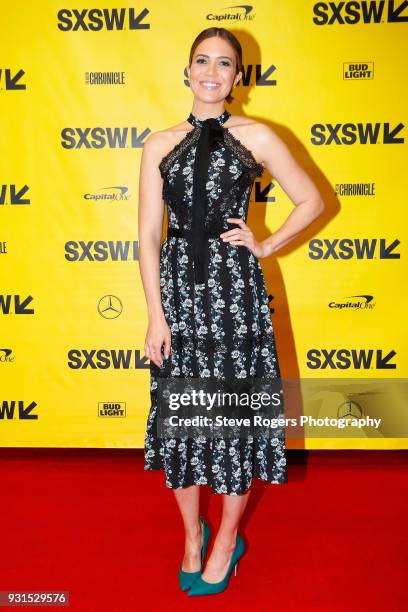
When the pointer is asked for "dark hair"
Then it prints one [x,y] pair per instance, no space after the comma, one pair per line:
[229,38]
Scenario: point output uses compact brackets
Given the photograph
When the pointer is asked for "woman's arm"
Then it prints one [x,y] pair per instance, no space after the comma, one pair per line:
[296,184]
[150,220]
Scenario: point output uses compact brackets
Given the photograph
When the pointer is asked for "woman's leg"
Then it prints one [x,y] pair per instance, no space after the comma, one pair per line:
[233,507]
[188,501]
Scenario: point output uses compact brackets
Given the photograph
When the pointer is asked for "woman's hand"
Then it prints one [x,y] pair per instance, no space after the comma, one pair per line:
[158,335]
[242,235]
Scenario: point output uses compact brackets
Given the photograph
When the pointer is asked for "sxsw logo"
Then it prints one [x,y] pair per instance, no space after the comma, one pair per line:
[15,304]
[353,248]
[10,410]
[262,193]
[96,19]
[112,409]
[9,81]
[350,13]
[16,194]
[360,133]
[105,359]
[251,75]
[102,250]
[102,138]
[345,359]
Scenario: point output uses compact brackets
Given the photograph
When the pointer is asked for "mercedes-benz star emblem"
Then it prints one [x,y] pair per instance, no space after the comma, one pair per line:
[110,307]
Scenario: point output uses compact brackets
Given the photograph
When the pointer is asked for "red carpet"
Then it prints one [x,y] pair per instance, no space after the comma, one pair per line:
[93,523]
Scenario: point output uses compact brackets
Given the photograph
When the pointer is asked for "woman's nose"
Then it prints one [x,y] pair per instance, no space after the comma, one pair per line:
[210,70]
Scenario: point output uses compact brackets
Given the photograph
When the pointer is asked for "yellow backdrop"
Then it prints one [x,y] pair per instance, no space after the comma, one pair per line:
[81,89]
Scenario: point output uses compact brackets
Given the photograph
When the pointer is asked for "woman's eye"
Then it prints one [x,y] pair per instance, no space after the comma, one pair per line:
[200,60]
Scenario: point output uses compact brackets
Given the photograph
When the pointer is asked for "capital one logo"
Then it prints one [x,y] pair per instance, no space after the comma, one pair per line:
[353,248]
[96,19]
[345,359]
[366,12]
[356,133]
[6,355]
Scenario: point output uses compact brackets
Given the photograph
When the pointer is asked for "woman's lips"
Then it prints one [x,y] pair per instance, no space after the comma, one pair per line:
[209,85]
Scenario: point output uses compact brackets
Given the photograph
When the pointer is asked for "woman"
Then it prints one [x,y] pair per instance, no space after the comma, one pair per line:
[206,296]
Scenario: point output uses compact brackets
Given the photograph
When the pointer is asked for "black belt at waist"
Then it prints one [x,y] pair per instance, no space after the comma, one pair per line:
[175,232]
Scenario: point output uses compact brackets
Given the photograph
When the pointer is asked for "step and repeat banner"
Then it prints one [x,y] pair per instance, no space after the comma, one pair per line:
[82,85]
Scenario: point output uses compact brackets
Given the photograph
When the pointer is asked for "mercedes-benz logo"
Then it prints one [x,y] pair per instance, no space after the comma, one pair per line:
[110,307]
[349,408]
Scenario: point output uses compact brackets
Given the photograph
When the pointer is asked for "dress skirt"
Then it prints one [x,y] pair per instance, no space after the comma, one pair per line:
[220,330]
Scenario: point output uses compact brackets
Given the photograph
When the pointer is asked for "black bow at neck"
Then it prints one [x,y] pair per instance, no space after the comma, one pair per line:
[211,133]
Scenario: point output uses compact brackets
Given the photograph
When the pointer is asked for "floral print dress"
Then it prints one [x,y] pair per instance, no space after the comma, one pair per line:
[220,328]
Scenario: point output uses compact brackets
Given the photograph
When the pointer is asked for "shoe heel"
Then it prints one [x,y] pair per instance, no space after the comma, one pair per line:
[186,579]
[201,587]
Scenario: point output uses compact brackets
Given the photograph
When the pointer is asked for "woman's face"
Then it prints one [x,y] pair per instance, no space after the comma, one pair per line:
[212,70]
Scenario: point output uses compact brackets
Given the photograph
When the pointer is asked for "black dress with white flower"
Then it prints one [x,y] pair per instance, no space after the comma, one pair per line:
[219,316]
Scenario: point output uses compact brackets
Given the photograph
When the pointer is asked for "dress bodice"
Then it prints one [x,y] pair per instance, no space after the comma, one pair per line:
[229,177]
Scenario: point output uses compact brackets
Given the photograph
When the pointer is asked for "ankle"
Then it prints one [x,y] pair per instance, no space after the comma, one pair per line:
[193,532]
[226,541]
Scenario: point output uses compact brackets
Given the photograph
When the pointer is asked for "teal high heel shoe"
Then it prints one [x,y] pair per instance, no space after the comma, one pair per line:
[201,587]
[186,579]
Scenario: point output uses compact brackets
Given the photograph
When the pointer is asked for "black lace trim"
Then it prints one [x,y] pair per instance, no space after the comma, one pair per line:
[211,344]
[244,154]
[189,139]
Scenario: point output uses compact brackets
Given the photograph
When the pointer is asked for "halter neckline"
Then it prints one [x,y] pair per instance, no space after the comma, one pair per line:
[225,115]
